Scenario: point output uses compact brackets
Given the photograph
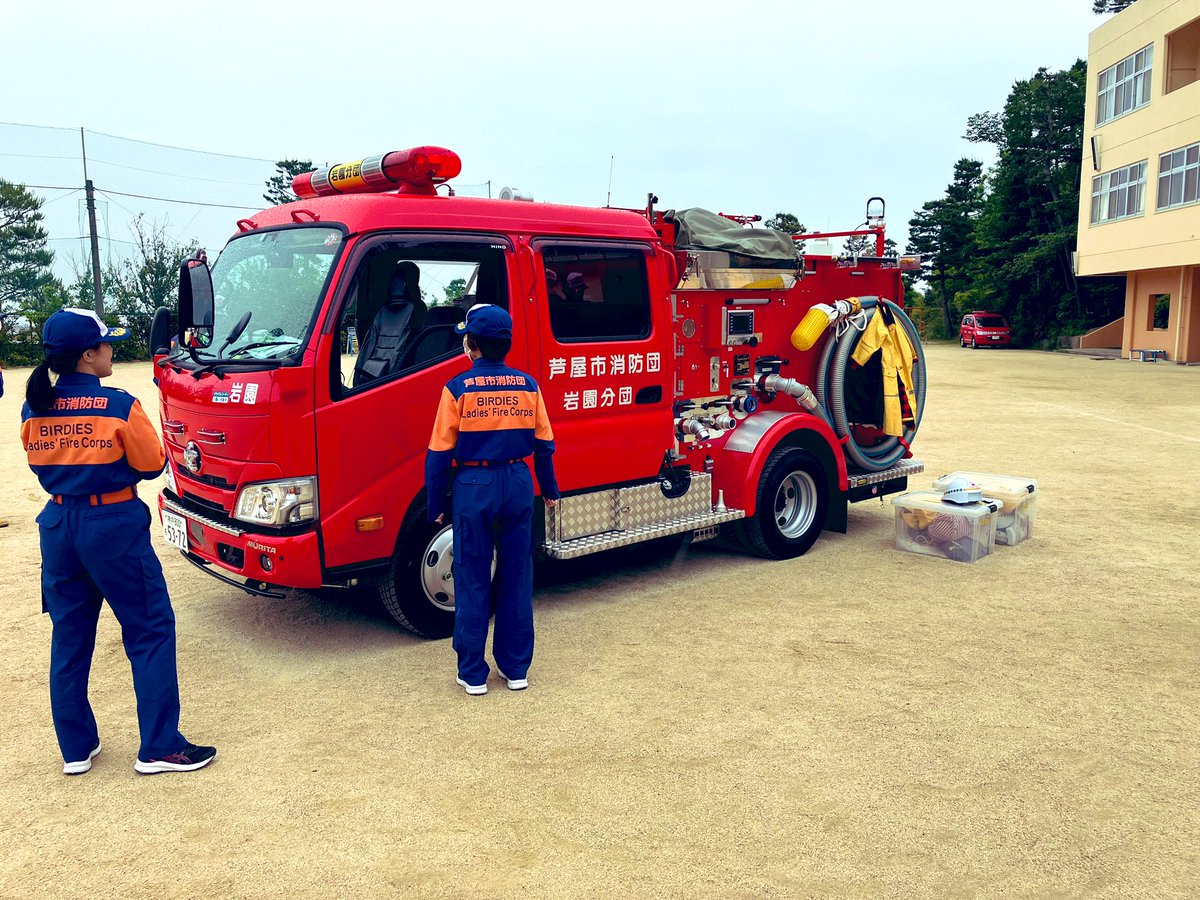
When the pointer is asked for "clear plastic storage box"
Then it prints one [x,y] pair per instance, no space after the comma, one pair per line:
[1018,497]
[927,524]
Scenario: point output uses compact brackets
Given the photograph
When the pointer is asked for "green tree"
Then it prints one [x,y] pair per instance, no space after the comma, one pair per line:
[144,281]
[24,258]
[279,185]
[1026,235]
[943,233]
[785,222]
[455,289]
[1100,7]
[24,270]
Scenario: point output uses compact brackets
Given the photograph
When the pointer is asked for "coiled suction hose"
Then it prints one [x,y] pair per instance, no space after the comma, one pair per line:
[831,391]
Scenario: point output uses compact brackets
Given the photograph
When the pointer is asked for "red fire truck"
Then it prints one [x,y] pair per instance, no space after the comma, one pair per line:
[299,390]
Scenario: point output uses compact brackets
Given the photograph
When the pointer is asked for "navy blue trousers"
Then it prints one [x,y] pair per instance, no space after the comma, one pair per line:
[493,510]
[96,553]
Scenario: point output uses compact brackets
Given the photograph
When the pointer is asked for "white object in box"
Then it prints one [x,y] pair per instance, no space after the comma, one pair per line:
[1018,496]
[927,524]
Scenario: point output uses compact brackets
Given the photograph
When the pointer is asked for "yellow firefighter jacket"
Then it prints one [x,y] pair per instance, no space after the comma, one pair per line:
[884,333]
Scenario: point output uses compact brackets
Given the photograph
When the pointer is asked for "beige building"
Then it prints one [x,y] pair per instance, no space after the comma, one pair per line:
[1139,203]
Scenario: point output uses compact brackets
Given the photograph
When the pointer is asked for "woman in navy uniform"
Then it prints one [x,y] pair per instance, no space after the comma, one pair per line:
[89,447]
[490,419]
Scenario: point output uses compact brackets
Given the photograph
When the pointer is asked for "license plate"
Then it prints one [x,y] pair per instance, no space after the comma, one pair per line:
[175,530]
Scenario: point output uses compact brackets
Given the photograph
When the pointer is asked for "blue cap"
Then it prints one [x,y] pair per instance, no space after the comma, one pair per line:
[486,320]
[73,330]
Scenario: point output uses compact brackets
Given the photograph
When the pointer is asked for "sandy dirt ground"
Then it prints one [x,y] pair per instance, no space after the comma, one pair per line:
[856,722]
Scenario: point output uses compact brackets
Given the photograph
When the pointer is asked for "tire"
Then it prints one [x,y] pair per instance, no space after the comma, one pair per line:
[974,346]
[961,342]
[792,500]
[418,592]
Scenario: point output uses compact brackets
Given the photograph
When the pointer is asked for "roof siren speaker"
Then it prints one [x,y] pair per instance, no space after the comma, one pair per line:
[507,193]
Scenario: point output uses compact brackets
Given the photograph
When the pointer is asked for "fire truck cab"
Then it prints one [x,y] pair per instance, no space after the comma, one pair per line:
[299,392]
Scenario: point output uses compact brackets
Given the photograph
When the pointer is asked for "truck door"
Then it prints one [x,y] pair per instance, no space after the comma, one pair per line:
[603,364]
[390,347]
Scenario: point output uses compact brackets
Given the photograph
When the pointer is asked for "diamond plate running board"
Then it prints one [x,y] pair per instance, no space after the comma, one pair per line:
[610,540]
[904,469]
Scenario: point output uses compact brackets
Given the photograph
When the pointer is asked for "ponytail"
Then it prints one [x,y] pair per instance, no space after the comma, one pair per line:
[39,392]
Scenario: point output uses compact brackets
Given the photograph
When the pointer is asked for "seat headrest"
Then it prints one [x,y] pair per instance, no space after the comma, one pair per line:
[405,283]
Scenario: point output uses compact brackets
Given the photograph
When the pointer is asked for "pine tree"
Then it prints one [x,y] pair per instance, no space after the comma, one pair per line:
[279,185]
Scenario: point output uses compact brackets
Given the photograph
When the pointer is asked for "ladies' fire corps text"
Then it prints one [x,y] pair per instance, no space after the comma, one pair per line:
[489,413]
[93,440]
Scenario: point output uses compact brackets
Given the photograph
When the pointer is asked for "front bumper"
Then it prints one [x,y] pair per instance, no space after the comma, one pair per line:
[263,559]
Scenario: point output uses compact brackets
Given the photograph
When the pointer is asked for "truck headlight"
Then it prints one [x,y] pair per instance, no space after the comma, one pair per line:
[169,475]
[278,503]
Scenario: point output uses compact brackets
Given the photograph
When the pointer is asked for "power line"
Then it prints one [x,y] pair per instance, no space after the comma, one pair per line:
[172,200]
[118,137]
[84,237]
[46,127]
[37,156]
[176,174]
[135,168]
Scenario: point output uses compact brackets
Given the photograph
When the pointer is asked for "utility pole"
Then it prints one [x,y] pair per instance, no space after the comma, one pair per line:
[90,192]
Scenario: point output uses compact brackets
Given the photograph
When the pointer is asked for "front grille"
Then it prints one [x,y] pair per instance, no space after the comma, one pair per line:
[207,504]
[212,480]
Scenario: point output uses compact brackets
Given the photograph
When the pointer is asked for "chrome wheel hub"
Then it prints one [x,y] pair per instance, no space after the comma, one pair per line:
[795,505]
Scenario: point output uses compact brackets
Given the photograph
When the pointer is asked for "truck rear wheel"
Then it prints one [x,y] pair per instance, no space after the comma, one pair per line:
[792,500]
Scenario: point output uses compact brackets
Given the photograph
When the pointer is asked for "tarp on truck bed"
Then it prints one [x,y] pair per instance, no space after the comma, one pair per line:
[701,229]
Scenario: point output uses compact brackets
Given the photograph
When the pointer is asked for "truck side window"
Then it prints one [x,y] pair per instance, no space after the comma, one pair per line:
[599,293]
[402,304]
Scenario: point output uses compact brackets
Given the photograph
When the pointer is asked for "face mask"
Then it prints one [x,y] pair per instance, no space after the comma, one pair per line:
[466,348]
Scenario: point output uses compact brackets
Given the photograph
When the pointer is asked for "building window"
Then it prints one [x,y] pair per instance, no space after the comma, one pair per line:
[1160,312]
[1183,56]
[1124,87]
[1118,194]
[1179,177]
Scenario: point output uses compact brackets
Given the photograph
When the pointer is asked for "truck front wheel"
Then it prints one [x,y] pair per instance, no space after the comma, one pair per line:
[792,500]
[418,590]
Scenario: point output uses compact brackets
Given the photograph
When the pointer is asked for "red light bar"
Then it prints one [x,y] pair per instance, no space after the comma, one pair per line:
[416,171]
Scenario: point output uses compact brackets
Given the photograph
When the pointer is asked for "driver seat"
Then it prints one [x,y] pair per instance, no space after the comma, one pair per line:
[383,348]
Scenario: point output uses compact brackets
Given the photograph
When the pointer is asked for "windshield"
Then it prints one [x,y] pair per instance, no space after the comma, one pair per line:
[277,277]
[990,322]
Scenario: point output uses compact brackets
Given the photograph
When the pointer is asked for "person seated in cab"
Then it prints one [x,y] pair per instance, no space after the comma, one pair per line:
[576,288]
[553,290]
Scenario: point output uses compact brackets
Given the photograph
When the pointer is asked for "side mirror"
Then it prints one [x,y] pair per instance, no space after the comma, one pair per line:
[195,294]
[670,269]
[160,332]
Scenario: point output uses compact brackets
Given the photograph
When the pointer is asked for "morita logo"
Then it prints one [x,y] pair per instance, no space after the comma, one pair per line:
[261,548]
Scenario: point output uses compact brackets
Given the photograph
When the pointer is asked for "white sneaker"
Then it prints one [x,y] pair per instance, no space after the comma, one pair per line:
[473,689]
[84,765]
[514,684]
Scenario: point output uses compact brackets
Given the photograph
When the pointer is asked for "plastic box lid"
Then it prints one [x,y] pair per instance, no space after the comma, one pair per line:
[932,501]
[1011,490]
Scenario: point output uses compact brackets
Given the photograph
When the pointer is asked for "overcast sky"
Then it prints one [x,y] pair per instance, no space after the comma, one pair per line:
[752,107]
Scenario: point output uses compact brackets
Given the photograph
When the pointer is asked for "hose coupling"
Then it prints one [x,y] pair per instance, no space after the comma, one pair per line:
[693,427]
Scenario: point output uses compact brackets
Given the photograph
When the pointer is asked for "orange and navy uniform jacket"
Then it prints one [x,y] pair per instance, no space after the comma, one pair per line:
[92,440]
[489,413]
